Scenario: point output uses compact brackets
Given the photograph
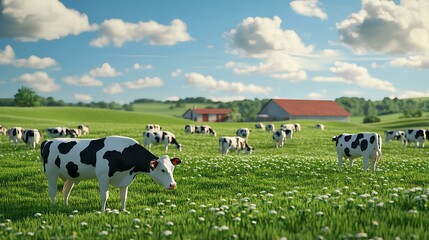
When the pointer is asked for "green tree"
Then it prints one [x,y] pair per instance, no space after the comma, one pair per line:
[26,97]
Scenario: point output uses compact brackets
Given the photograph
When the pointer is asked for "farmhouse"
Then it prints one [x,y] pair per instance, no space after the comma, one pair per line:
[291,109]
[208,114]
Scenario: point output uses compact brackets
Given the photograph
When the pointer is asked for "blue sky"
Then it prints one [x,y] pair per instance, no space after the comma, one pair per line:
[105,50]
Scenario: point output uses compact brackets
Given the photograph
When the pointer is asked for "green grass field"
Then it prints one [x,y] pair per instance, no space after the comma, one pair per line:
[294,192]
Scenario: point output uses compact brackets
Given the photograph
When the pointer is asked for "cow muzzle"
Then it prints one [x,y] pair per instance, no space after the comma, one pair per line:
[172,186]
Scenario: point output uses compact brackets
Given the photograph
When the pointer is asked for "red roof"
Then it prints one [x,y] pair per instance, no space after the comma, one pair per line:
[211,110]
[311,107]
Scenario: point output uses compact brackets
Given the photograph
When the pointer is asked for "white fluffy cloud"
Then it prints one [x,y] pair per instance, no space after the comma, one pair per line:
[176,73]
[415,61]
[104,71]
[292,76]
[262,36]
[137,66]
[385,26]
[114,88]
[144,83]
[40,81]
[8,57]
[42,19]
[208,82]
[85,80]
[82,97]
[118,32]
[413,94]
[353,74]
[308,8]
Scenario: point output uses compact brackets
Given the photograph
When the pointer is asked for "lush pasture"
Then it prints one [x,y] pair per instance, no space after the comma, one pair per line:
[294,192]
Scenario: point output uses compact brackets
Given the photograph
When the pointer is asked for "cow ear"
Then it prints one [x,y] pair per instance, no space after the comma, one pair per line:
[153,164]
[176,161]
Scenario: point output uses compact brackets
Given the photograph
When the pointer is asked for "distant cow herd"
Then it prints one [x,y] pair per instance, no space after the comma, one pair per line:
[115,160]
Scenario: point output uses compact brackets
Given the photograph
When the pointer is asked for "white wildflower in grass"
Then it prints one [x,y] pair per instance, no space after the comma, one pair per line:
[71,216]
[361,235]
[224,207]
[202,206]
[147,225]
[173,205]
[350,200]
[30,234]
[394,195]
[374,193]
[365,195]
[115,211]
[239,194]
[192,211]
[103,233]
[236,219]
[269,195]
[160,204]
[220,213]
[324,229]
[413,211]
[18,234]
[167,233]
[83,225]
[75,211]
[37,215]
[192,203]
[169,224]
[146,209]
[269,202]
[380,204]
[223,228]
[254,222]
[320,213]
[136,220]
[272,212]
[97,213]
[201,219]
[374,223]
[126,212]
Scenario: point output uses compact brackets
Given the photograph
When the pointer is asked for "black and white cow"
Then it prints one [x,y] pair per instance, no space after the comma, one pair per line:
[112,160]
[297,127]
[15,134]
[244,133]
[281,135]
[260,125]
[189,128]
[290,126]
[319,126]
[270,128]
[395,135]
[74,132]
[157,137]
[31,137]
[55,132]
[3,130]
[351,146]
[227,144]
[153,127]
[417,136]
[427,134]
[205,129]
[84,129]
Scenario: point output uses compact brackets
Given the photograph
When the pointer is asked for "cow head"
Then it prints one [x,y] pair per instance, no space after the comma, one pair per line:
[162,171]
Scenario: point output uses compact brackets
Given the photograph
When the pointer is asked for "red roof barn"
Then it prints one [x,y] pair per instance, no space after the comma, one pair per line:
[291,109]
[207,114]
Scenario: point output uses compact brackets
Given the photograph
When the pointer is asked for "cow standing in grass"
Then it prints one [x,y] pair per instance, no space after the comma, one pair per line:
[112,161]
[417,136]
[227,144]
[351,146]
[15,134]
[157,137]
[31,137]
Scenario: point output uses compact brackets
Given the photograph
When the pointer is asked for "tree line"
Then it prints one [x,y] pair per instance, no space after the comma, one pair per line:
[243,110]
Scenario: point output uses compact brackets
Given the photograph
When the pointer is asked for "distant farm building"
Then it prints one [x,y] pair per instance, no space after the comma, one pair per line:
[208,114]
[290,109]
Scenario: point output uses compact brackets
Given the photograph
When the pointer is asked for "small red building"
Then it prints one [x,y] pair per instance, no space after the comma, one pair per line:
[208,114]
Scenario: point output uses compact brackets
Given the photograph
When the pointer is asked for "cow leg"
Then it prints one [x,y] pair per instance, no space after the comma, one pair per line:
[365,162]
[166,147]
[124,192]
[340,161]
[53,184]
[104,193]
[68,186]
[351,163]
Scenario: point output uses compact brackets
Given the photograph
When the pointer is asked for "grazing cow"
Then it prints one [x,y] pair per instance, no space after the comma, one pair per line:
[205,129]
[260,125]
[3,130]
[157,137]
[153,127]
[31,137]
[281,135]
[15,134]
[84,129]
[244,133]
[395,135]
[190,129]
[417,136]
[427,134]
[270,128]
[351,146]
[319,126]
[111,160]
[55,132]
[74,132]
[288,126]
[227,144]
[297,127]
